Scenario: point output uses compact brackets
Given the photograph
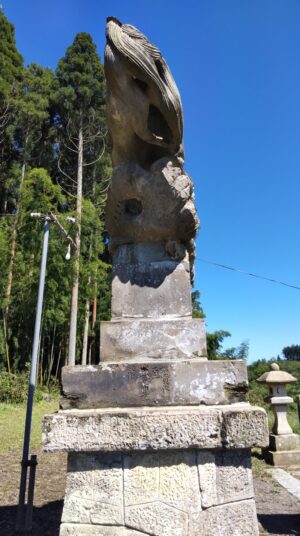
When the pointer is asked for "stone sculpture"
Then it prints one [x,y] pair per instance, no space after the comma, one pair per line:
[144,109]
[158,437]
[151,198]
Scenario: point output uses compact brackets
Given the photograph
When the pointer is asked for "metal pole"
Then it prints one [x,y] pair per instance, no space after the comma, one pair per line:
[33,370]
[298,405]
[30,495]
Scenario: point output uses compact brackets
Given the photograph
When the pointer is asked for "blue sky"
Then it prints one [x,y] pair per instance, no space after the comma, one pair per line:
[236,63]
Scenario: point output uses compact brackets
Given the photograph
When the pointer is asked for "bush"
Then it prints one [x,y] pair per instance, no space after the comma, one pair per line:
[14,388]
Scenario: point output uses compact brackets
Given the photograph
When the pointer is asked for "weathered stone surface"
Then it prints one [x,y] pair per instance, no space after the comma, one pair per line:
[151,383]
[94,491]
[282,458]
[140,340]
[143,102]
[69,529]
[225,476]
[284,442]
[151,206]
[242,429]
[168,477]
[157,519]
[235,519]
[236,426]
[161,494]
[151,280]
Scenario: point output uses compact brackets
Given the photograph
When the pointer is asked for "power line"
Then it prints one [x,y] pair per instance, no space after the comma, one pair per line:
[248,273]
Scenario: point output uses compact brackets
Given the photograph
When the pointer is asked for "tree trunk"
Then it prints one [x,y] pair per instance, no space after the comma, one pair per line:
[87,316]
[75,286]
[85,332]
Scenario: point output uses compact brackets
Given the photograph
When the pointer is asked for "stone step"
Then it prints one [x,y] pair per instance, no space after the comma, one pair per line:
[149,383]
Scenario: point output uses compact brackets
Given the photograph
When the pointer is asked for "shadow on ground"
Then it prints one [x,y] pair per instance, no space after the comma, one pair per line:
[280,523]
[46,519]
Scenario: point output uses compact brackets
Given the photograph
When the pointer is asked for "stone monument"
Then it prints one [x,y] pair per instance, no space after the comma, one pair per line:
[284,445]
[158,437]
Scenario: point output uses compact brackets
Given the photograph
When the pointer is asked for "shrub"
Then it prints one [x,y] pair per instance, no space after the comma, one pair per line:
[14,388]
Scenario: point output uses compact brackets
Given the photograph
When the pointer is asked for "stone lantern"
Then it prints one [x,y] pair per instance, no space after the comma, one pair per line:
[284,445]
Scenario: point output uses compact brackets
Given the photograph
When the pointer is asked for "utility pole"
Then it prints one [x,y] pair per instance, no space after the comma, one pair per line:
[25,526]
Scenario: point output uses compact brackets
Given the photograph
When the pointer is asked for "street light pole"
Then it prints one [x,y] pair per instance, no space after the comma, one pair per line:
[25,463]
[21,526]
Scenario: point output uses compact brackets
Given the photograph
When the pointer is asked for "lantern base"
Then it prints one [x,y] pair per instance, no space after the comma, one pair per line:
[283,450]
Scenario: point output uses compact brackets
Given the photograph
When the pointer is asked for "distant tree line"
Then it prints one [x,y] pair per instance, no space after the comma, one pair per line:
[53,158]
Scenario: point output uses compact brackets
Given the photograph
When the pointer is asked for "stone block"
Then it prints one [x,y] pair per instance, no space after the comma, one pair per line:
[284,442]
[70,529]
[242,429]
[157,519]
[236,426]
[234,519]
[167,477]
[94,490]
[148,282]
[144,339]
[283,458]
[224,476]
[161,494]
[164,383]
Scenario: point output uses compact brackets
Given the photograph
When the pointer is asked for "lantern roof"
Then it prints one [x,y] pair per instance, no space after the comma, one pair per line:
[275,375]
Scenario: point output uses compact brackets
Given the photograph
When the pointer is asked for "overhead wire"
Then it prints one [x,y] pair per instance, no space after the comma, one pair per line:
[249,273]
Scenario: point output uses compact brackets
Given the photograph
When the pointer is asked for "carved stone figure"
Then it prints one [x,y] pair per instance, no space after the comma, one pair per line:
[144,109]
[151,198]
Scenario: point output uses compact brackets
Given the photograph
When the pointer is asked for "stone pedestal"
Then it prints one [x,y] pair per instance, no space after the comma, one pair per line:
[283,450]
[284,446]
[181,471]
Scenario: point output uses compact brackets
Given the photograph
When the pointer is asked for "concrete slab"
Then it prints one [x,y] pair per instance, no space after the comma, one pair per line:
[290,483]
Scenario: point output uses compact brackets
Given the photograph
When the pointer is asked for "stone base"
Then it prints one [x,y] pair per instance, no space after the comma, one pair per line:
[166,493]
[144,339]
[283,458]
[130,429]
[179,471]
[283,450]
[164,383]
[284,442]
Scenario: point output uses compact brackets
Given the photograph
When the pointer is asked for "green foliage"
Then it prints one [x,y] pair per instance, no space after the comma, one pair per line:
[11,61]
[292,353]
[80,76]
[215,347]
[197,310]
[41,111]
[214,343]
[14,388]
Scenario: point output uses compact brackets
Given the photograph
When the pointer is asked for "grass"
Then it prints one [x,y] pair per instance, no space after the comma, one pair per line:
[12,422]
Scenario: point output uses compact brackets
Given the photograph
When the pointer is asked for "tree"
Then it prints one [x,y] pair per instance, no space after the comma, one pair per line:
[80,101]
[31,105]
[292,353]
[197,310]
[39,194]
[11,73]
[215,344]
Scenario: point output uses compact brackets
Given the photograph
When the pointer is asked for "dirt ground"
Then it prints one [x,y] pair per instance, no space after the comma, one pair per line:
[278,511]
